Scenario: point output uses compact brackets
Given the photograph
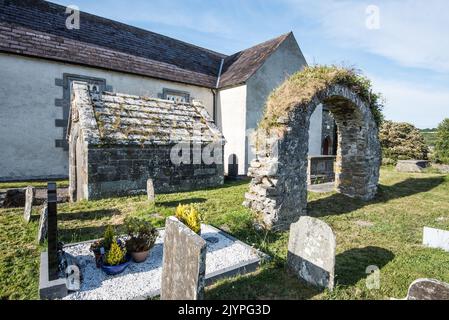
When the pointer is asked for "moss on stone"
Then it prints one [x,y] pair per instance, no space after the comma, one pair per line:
[300,88]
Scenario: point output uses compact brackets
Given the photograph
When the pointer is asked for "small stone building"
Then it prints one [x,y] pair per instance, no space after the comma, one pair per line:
[117,142]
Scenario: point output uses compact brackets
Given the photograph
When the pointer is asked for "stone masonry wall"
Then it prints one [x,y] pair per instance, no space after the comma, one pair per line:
[124,170]
[278,190]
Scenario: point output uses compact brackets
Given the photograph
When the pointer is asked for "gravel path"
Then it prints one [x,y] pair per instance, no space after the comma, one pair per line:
[143,280]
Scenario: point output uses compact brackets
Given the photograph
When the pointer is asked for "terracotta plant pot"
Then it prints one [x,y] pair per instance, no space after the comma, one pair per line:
[140,257]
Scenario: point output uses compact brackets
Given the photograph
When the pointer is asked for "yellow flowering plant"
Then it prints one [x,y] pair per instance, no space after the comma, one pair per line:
[190,216]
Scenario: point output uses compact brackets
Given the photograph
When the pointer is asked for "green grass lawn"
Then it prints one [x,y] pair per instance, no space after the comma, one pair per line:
[35,184]
[386,232]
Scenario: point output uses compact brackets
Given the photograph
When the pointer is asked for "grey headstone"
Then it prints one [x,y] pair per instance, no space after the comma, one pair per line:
[43,225]
[411,165]
[184,263]
[29,199]
[311,252]
[436,238]
[150,190]
[428,289]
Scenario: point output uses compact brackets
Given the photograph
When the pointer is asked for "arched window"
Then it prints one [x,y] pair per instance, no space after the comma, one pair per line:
[326,148]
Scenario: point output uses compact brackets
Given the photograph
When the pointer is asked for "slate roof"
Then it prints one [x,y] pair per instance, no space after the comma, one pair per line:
[239,67]
[121,119]
[37,28]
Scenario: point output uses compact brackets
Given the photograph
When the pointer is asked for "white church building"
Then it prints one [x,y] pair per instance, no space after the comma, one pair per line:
[40,58]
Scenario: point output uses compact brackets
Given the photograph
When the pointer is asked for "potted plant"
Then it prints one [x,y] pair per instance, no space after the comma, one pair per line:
[115,260]
[110,253]
[141,238]
[190,216]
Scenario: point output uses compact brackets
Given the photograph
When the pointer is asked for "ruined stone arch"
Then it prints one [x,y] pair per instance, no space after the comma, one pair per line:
[278,190]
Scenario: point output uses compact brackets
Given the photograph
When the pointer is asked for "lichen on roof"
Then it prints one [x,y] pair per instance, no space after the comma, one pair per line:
[300,88]
[128,119]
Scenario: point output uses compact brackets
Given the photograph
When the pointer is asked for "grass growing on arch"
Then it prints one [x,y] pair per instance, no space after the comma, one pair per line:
[386,232]
[301,87]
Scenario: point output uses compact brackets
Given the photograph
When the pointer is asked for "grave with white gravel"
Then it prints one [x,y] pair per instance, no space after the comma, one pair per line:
[226,257]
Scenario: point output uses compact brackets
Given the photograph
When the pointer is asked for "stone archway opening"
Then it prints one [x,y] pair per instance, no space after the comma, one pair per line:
[278,191]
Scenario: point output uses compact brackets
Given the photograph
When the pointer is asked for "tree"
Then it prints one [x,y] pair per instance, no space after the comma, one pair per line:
[442,142]
[402,141]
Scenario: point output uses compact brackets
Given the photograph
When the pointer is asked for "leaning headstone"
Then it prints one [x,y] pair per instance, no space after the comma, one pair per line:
[428,289]
[184,263]
[436,238]
[311,252]
[412,166]
[150,190]
[29,199]
[43,225]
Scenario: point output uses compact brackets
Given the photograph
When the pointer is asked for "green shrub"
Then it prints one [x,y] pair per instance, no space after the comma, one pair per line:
[141,234]
[188,215]
[108,237]
[402,141]
[441,153]
[115,255]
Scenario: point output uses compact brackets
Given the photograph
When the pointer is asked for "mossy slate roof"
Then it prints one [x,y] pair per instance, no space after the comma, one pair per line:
[37,28]
[122,119]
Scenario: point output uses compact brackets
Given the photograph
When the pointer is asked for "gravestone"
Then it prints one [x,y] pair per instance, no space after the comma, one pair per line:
[184,263]
[52,232]
[29,199]
[51,284]
[412,166]
[150,190]
[436,238]
[311,252]
[428,289]
[43,225]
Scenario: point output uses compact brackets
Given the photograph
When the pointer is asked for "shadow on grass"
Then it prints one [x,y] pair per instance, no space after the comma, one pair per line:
[88,215]
[271,283]
[175,203]
[351,265]
[339,204]
[79,234]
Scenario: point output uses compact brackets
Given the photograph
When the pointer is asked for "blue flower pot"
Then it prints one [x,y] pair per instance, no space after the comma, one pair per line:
[115,270]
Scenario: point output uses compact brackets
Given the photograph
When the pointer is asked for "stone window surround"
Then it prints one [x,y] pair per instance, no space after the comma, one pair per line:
[166,92]
[64,103]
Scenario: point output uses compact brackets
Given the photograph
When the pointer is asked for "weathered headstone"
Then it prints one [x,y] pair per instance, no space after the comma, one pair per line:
[43,225]
[412,166]
[428,289]
[184,263]
[29,199]
[436,238]
[150,190]
[311,252]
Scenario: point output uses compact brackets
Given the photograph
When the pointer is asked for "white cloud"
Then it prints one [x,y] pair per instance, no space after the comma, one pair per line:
[412,33]
[424,106]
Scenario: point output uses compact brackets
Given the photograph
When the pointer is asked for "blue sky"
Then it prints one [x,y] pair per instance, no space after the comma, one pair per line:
[407,56]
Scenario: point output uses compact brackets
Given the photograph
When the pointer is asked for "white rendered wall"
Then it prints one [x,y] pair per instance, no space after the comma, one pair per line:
[28,111]
[231,119]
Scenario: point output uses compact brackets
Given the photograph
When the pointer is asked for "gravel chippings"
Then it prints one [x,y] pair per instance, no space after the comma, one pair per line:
[143,280]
